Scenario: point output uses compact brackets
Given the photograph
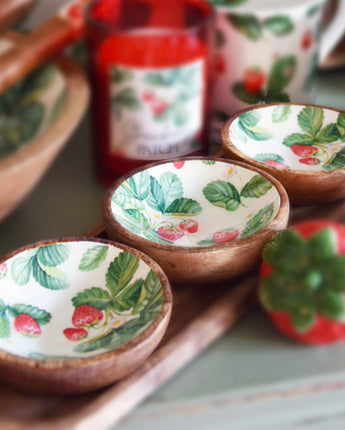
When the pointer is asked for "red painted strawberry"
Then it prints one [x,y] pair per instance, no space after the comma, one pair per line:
[158,107]
[254,80]
[85,316]
[3,270]
[304,150]
[27,326]
[302,282]
[170,234]
[220,64]
[189,226]
[276,164]
[149,96]
[178,164]
[307,39]
[225,236]
[310,161]
[75,334]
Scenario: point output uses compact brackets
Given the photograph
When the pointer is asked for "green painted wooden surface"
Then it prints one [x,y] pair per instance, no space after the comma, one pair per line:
[252,378]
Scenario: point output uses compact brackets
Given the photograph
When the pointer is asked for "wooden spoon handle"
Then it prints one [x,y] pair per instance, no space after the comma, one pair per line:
[12,10]
[40,46]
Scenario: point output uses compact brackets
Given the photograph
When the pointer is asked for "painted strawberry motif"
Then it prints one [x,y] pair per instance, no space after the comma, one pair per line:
[220,64]
[254,80]
[302,282]
[86,316]
[225,236]
[307,40]
[189,226]
[75,334]
[158,107]
[310,161]
[170,234]
[26,325]
[148,96]
[274,163]
[3,270]
[178,164]
[304,151]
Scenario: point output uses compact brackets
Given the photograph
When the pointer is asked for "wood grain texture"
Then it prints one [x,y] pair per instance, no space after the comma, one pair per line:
[200,316]
[183,264]
[303,187]
[21,170]
[11,11]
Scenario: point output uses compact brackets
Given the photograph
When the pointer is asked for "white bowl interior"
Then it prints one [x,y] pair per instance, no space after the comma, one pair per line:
[294,137]
[30,106]
[195,203]
[103,296]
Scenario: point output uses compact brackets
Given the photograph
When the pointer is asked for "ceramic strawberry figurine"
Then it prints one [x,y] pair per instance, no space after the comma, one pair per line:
[302,282]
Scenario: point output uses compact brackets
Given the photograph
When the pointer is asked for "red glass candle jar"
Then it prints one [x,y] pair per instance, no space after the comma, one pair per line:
[150,69]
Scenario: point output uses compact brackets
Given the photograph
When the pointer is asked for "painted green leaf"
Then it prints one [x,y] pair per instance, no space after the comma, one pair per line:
[250,119]
[58,106]
[258,133]
[328,134]
[41,79]
[273,157]
[153,287]
[96,297]
[5,328]
[257,187]
[222,194]
[313,10]
[137,218]
[341,120]
[156,198]
[10,97]
[140,184]
[337,161]
[125,99]
[220,38]
[154,236]
[23,124]
[206,242]
[298,139]
[184,206]
[280,25]
[93,258]
[282,73]
[276,96]
[241,93]
[129,298]
[118,75]
[259,221]
[3,307]
[129,224]
[21,269]
[124,198]
[310,120]
[53,255]
[110,340]
[121,271]
[238,131]
[208,162]
[248,25]
[172,187]
[48,276]
[281,113]
[39,315]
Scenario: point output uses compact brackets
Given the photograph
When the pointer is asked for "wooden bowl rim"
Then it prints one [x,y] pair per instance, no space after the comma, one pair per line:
[82,362]
[77,97]
[110,220]
[228,146]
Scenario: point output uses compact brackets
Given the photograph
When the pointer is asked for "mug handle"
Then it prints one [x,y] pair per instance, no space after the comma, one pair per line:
[333,32]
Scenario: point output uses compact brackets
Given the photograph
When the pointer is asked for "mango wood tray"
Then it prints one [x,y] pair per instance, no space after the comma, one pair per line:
[200,316]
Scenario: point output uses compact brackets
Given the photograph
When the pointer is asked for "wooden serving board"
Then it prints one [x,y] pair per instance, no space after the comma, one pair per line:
[200,316]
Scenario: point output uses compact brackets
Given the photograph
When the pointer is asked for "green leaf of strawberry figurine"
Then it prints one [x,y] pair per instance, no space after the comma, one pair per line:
[302,282]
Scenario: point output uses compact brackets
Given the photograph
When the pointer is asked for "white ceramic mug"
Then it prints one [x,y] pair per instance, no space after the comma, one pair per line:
[268,51]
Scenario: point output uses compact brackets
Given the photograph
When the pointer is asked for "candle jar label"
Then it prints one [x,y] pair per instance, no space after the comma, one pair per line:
[156,113]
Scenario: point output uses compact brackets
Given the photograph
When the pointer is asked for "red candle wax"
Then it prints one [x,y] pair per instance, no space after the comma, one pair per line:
[150,98]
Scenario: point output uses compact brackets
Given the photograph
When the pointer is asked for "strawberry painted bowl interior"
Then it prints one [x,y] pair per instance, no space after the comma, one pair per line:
[287,136]
[75,299]
[195,203]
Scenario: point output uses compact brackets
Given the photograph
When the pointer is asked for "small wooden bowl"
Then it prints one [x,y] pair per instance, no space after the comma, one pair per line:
[303,146]
[78,314]
[201,219]
[30,147]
